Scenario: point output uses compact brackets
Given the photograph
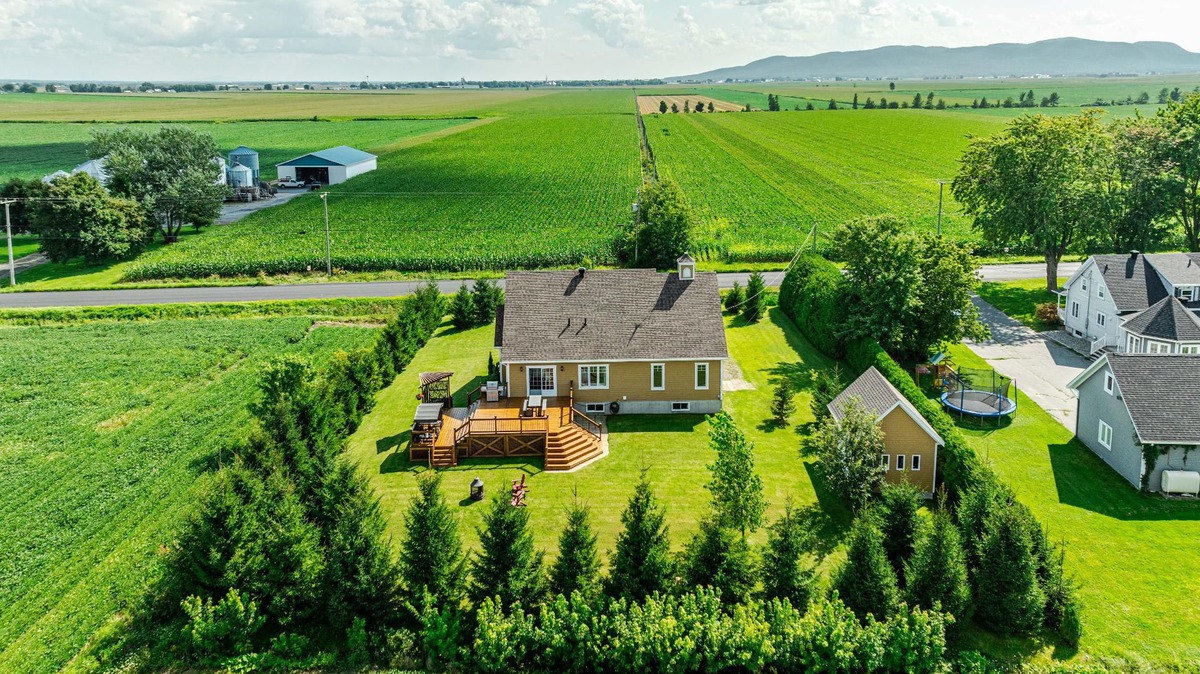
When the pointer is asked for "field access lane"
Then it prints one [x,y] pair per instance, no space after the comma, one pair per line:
[301,291]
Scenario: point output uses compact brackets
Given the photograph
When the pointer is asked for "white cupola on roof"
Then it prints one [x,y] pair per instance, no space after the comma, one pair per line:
[687,267]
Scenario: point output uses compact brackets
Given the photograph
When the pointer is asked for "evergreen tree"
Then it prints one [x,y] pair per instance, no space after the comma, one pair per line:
[462,308]
[809,106]
[577,568]
[685,106]
[754,306]
[737,490]
[789,572]
[662,107]
[866,582]
[507,566]
[975,507]
[734,298]
[854,104]
[783,402]
[1009,598]
[929,101]
[899,514]
[487,298]
[718,557]
[916,102]
[937,571]
[832,104]
[870,104]
[431,556]
[641,564]
[674,107]
[826,385]
[711,107]
[361,577]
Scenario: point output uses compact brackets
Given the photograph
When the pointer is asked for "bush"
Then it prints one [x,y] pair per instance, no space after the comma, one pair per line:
[1047,313]
[223,629]
[813,295]
[734,298]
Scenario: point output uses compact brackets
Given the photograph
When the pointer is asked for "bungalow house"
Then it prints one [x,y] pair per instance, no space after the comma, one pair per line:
[1129,401]
[910,443]
[1135,303]
[614,341]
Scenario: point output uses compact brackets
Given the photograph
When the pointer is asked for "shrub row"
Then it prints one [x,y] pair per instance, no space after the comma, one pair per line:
[696,632]
[812,295]
[368,308]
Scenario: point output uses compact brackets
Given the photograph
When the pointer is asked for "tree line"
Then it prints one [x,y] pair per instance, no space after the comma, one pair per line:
[1133,184]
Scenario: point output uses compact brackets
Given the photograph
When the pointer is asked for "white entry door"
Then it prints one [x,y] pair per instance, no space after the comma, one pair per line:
[541,380]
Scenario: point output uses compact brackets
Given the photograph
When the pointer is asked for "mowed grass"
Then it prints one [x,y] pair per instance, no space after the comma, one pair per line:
[523,191]
[1133,555]
[761,181]
[673,449]
[34,150]
[1020,299]
[109,431]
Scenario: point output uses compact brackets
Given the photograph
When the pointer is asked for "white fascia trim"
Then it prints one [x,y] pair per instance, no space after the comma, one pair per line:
[1082,377]
[602,361]
[1091,261]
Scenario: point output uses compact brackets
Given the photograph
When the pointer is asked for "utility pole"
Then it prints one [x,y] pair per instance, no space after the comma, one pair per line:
[941,188]
[328,259]
[12,266]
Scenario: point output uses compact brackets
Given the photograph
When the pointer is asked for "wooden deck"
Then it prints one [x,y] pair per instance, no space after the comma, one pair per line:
[563,436]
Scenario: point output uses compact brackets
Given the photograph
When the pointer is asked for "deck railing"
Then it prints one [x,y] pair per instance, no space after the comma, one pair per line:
[585,422]
[1097,344]
[502,426]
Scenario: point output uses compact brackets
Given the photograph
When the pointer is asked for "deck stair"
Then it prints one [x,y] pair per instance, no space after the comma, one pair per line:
[442,456]
[570,446]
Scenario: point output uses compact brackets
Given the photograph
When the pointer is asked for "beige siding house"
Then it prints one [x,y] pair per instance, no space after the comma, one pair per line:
[617,341]
[910,443]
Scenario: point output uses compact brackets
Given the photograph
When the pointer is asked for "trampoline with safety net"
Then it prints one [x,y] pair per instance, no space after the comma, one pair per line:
[980,393]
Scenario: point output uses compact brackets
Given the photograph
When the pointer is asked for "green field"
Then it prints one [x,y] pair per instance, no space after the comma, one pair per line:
[521,191]
[34,150]
[109,428]
[762,180]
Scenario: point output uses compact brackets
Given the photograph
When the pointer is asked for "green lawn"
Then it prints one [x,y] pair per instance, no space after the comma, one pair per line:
[1019,299]
[673,449]
[22,246]
[1134,555]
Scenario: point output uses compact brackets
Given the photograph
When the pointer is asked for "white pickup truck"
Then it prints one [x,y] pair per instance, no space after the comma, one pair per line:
[291,182]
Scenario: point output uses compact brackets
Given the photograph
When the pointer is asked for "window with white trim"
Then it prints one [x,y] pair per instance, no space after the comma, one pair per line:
[701,376]
[1157,347]
[593,376]
[1190,348]
[1100,291]
[1105,435]
[915,463]
[1109,383]
[885,461]
[1134,345]
[658,376]
[594,408]
[1074,309]
[899,462]
[1186,293]
[681,407]
[1083,283]
[1100,318]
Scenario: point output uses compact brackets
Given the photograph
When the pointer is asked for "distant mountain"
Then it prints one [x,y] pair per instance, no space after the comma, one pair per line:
[1062,56]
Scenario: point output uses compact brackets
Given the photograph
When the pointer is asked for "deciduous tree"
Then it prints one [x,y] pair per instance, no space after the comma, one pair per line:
[665,227]
[80,218]
[1181,121]
[1037,182]
[848,451]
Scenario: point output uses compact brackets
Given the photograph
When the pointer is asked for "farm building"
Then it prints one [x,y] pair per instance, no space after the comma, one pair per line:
[329,167]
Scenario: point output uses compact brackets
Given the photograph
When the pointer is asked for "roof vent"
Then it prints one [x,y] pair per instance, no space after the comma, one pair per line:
[1134,253]
[580,271]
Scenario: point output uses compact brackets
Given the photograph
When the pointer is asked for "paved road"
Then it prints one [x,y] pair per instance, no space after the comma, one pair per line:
[69,298]
[21,263]
[1041,368]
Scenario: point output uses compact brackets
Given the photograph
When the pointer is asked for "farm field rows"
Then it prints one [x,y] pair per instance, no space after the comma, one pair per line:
[652,104]
[109,428]
[32,150]
[523,191]
[760,181]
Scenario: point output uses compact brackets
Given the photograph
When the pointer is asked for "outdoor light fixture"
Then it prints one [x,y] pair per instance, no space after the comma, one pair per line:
[477,489]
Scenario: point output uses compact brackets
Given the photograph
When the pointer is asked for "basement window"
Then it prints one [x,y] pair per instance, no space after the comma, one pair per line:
[681,407]
[594,408]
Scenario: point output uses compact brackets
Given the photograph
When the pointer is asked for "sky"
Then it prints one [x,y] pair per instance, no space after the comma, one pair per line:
[410,40]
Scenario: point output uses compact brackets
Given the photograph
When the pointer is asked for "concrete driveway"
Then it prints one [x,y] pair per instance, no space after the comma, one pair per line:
[1041,368]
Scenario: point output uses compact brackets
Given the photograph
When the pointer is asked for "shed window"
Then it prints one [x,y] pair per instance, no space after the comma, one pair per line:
[701,376]
[899,462]
[1109,383]
[593,376]
[915,464]
[1105,435]
[885,461]
[658,376]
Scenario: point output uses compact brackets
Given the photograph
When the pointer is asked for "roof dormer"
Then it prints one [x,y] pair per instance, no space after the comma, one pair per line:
[686,267]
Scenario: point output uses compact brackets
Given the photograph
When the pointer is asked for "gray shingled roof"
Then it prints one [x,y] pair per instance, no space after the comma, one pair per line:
[1131,281]
[1168,319]
[613,314]
[1162,394]
[1177,268]
[878,396]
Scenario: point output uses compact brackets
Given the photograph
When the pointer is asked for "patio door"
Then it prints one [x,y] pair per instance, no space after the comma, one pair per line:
[541,380]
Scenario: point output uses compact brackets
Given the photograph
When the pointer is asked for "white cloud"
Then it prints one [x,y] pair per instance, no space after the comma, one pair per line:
[620,23]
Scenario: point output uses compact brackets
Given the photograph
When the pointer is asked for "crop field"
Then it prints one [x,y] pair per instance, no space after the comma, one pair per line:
[108,430]
[33,150]
[760,181]
[649,105]
[527,191]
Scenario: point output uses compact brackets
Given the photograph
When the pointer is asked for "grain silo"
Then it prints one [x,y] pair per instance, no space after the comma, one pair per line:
[241,176]
[246,157]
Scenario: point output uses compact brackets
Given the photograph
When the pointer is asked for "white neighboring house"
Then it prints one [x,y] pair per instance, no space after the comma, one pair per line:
[329,167]
[1135,303]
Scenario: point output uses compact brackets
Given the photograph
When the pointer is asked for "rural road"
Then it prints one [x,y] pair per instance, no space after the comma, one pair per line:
[1041,368]
[74,298]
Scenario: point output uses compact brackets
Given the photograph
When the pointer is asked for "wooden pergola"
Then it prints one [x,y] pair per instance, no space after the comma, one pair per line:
[435,387]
